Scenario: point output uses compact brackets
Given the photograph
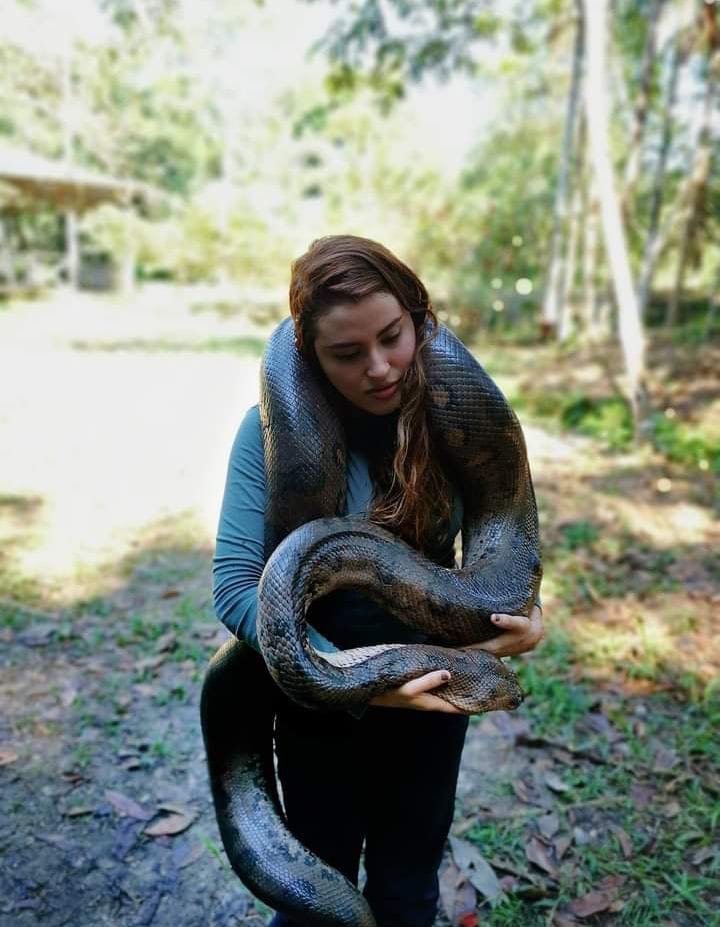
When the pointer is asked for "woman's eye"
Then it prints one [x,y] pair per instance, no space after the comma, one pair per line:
[388,339]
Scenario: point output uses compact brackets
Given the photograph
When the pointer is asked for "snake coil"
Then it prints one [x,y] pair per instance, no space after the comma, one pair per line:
[310,552]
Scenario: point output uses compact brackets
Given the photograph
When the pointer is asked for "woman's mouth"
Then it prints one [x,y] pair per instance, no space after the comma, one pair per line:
[387,392]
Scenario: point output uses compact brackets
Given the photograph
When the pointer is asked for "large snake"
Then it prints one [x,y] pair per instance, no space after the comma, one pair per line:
[311,552]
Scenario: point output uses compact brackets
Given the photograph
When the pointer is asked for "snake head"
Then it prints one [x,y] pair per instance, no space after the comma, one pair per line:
[481,682]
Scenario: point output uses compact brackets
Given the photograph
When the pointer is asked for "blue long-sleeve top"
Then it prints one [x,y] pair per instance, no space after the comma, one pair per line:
[345,618]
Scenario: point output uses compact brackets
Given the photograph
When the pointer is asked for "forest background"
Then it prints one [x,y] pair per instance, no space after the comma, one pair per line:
[550,170]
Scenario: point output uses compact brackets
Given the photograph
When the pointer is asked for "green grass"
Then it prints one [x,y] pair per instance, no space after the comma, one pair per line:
[609,421]
[684,444]
[682,816]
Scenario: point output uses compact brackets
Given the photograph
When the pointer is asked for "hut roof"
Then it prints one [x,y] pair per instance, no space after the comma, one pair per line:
[62,185]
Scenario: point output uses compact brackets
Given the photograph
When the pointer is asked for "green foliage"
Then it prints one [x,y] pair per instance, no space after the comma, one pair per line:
[577,534]
[482,236]
[608,419]
[684,444]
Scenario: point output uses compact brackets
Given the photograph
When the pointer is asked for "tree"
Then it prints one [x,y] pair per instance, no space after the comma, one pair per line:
[632,337]
[694,215]
[556,289]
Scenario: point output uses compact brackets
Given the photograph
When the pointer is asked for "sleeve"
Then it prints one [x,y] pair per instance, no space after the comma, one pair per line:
[240,547]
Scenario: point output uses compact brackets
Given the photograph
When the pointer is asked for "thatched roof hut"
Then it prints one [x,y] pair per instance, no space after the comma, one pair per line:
[43,181]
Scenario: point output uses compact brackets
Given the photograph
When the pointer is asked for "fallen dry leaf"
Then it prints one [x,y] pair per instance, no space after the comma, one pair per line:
[665,759]
[601,899]
[176,808]
[187,854]
[68,696]
[561,844]
[475,868]
[145,689]
[592,903]
[538,853]
[548,825]
[128,807]
[457,895]
[78,811]
[563,756]
[170,594]
[703,854]
[148,663]
[521,790]
[508,882]
[554,782]
[166,642]
[69,775]
[642,795]
[581,837]
[37,635]
[169,825]
[7,756]
[671,809]
[623,839]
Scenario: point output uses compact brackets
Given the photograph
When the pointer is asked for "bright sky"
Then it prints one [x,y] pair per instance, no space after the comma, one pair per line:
[446,119]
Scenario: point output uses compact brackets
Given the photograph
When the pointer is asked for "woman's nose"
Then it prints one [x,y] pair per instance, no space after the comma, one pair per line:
[378,365]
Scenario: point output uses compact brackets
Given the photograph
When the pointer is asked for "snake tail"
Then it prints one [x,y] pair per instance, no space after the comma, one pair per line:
[237,708]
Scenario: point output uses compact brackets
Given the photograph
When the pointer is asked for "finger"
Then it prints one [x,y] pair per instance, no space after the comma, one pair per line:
[498,645]
[512,623]
[433,703]
[425,683]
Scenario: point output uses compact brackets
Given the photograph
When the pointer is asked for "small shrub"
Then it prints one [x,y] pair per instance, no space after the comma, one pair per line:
[684,445]
[608,419]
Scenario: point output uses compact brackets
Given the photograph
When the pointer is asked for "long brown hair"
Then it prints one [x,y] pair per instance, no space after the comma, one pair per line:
[413,493]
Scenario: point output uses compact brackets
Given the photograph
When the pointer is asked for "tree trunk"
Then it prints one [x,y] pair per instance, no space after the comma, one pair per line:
[589,310]
[713,304]
[702,164]
[653,239]
[565,327]
[642,104]
[72,253]
[556,267]
[632,337]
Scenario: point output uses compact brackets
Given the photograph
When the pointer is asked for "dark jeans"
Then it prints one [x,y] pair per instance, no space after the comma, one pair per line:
[388,779]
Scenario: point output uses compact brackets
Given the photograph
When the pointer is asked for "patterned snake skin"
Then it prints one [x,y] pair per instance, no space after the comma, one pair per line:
[312,553]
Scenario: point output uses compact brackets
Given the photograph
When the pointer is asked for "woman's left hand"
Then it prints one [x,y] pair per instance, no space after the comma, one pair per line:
[519,634]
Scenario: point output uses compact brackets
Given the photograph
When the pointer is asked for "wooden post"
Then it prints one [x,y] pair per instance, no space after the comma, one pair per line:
[7,259]
[72,251]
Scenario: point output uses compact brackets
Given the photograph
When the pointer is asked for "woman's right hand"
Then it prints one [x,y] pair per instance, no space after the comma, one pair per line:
[416,694]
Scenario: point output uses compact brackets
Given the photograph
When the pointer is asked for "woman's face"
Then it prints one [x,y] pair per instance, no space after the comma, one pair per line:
[365,348]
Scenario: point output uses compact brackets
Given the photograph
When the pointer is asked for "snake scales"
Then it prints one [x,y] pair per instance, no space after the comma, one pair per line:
[312,553]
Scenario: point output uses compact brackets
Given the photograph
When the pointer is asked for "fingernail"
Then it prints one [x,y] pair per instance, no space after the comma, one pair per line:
[496,618]
[445,677]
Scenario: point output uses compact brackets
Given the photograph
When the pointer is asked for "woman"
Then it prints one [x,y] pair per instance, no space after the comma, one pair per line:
[386,777]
